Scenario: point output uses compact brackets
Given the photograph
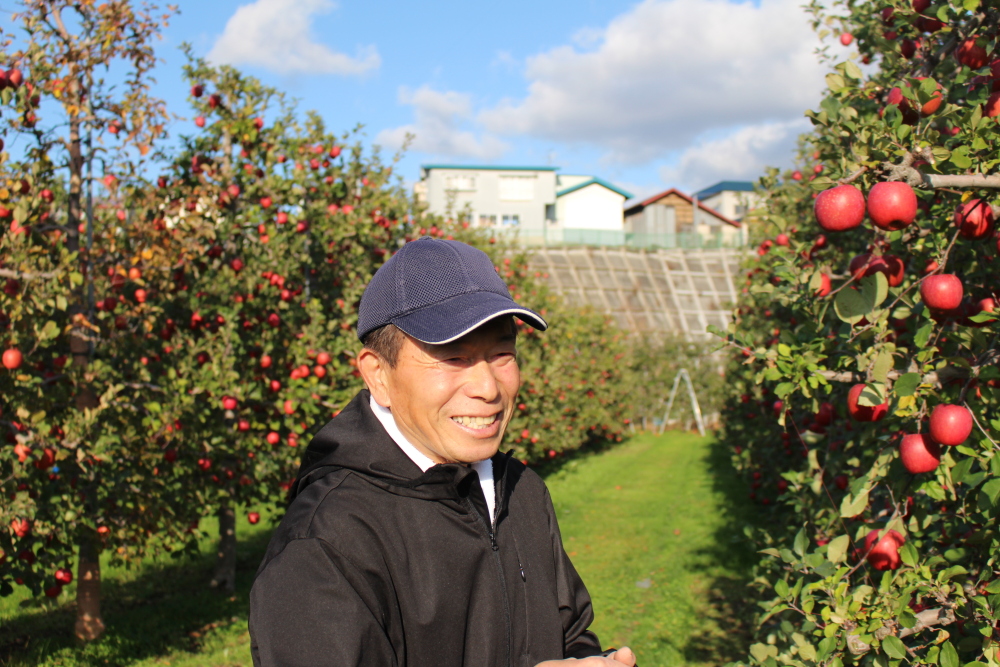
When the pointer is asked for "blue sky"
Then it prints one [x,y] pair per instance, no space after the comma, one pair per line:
[648,95]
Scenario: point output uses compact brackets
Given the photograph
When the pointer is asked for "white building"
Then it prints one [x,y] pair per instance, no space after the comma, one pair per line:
[522,198]
[733,199]
[588,202]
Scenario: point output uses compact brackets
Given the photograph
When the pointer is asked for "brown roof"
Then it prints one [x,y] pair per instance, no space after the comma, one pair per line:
[674,191]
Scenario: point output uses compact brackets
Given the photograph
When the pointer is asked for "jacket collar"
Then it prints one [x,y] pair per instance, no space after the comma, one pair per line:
[355,440]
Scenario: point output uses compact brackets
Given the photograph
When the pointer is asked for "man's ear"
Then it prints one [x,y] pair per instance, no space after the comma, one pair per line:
[373,371]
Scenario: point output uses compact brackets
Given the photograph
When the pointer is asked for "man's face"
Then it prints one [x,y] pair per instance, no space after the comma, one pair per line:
[453,401]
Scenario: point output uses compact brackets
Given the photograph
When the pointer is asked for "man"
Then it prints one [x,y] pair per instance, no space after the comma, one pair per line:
[409,540]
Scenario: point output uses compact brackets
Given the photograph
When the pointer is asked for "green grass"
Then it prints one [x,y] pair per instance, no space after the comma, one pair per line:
[663,512]
[655,529]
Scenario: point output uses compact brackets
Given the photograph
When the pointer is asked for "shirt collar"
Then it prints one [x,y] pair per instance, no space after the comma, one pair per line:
[388,422]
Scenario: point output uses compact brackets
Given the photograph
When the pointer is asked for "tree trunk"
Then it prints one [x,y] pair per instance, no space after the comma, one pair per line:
[225,558]
[89,624]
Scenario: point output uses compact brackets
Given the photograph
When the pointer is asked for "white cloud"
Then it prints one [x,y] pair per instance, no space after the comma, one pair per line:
[275,34]
[742,155]
[439,117]
[664,73]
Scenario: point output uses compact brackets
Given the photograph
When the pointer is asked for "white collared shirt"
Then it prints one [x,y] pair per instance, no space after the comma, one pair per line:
[483,468]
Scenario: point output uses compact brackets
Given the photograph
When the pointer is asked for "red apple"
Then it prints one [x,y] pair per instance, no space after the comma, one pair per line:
[991,109]
[974,219]
[265,361]
[265,202]
[170,455]
[14,78]
[236,265]
[840,208]
[864,413]
[824,285]
[841,482]
[883,554]
[200,121]
[12,359]
[20,527]
[919,6]
[781,239]
[889,265]
[846,38]
[323,358]
[214,100]
[919,453]
[796,175]
[253,517]
[53,591]
[64,576]
[273,438]
[941,291]
[229,403]
[196,91]
[950,424]
[892,205]
[972,55]
[824,417]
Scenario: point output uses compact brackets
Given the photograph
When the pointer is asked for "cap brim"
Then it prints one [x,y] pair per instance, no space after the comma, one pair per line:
[451,319]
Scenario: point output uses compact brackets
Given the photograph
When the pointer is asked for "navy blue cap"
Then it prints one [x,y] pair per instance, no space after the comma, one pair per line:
[437,291]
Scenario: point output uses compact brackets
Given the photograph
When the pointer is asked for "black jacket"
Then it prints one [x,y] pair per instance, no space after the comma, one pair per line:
[376,563]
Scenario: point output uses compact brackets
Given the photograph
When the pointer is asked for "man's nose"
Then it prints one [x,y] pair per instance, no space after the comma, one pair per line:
[482,382]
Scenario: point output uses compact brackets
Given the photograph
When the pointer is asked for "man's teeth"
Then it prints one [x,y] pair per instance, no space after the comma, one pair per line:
[476,422]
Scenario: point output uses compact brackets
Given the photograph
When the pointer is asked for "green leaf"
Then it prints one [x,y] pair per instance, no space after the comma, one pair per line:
[784,389]
[873,394]
[894,647]
[153,406]
[970,5]
[852,70]
[988,495]
[875,289]
[923,335]
[835,82]
[781,588]
[883,364]
[49,331]
[784,350]
[908,554]
[907,384]
[762,652]
[836,550]
[801,542]
[948,656]
[853,506]
[960,157]
[850,306]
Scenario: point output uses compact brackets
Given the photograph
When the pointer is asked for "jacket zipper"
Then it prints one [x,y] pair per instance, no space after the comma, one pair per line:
[496,557]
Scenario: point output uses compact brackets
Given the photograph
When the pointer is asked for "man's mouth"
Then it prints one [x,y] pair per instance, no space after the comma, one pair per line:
[477,422]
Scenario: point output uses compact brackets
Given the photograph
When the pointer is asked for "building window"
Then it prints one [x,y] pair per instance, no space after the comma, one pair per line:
[487,220]
[511,219]
[460,183]
[517,188]
[550,212]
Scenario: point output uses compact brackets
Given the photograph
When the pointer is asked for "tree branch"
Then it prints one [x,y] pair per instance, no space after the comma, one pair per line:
[929,618]
[17,275]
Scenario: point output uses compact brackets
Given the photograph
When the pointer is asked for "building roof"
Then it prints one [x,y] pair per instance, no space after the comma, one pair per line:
[481,167]
[595,181]
[721,186]
[635,208]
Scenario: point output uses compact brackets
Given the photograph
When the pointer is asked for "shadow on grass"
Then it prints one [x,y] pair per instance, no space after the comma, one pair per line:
[728,637]
[168,608]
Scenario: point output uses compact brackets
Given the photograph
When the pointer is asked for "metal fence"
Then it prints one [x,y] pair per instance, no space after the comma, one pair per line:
[614,238]
[657,291]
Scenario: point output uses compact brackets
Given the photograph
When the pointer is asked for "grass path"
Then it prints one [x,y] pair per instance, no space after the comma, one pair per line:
[654,527]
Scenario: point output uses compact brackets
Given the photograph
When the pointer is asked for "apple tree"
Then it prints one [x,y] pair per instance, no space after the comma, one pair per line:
[863,405]
[72,471]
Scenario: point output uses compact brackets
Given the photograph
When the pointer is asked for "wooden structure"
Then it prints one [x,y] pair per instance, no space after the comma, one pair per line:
[665,291]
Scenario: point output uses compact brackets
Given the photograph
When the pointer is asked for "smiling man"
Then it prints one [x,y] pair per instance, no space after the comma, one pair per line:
[410,541]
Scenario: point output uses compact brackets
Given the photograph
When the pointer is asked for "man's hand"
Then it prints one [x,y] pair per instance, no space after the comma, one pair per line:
[622,656]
